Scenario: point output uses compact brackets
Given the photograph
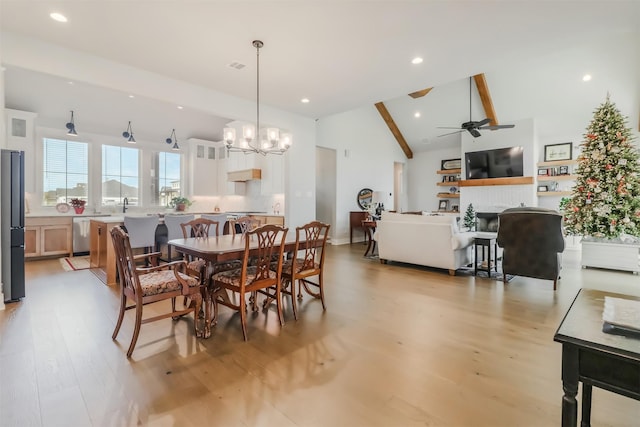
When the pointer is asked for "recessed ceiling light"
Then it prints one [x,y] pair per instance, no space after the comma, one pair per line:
[416,114]
[416,60]
[131,96]
[180,107]
[70,82]
[586,77]
[305,100]
[58,17]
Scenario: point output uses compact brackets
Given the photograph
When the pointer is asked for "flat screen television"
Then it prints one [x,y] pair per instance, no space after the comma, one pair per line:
[498,163]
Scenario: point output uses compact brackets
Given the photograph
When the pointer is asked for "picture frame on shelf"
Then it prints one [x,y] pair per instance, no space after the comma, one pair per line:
[449,164]
[454,208]
[555,152]
[443,205]
[542,188]
[452,178]
[444,178]
[543,171]
[563,170]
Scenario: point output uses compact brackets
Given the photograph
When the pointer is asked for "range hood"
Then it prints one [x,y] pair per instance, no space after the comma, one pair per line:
[244,175]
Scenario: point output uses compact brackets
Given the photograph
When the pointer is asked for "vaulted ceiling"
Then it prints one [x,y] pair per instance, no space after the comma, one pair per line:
[339,55]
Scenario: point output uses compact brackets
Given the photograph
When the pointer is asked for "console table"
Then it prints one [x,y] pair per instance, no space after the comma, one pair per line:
[610,362]
[355,223]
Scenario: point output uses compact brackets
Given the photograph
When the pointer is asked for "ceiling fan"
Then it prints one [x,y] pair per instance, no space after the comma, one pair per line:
[473,127]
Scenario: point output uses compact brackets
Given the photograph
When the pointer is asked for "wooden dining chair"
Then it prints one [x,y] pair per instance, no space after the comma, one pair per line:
[244,223]
[252,279]
[174,229]
[308,262]
[146,285]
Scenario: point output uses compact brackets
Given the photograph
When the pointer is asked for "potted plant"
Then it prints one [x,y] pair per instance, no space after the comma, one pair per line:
[78,205]
[180,203]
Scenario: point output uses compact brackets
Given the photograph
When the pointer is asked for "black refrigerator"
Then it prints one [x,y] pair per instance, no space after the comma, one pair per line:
[12,224]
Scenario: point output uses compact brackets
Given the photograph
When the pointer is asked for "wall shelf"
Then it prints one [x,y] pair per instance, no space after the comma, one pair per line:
[448,184]
[518,180]
[558,163]
[449,195]
[557,177]
[553,193]
[449,171]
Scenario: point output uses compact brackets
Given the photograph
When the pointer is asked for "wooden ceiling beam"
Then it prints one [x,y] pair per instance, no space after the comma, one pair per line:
[394,129]
[420,93]
[485,97]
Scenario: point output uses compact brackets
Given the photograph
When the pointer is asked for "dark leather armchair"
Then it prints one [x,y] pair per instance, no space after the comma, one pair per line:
[532,241]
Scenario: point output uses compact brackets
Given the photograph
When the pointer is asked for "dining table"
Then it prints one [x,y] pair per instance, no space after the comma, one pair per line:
[216,249]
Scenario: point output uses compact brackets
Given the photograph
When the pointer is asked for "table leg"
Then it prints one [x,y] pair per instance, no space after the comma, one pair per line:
[569,385]
[586,405]
[475,259]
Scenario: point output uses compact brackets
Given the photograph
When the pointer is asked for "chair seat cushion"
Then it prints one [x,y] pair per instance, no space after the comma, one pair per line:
[232,277]
[159,282]
[227,265]
[197,264]
[286,266]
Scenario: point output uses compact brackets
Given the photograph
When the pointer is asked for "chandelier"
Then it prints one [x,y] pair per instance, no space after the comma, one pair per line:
[256,140]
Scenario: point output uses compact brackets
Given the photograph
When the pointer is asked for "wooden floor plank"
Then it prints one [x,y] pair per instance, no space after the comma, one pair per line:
[399,345]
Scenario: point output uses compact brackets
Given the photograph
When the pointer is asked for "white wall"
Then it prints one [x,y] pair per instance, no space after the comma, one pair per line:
[326,185]
[422,178]
[3,144]
[366,152]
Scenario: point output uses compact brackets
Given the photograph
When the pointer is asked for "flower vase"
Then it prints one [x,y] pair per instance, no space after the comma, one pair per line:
[79,209]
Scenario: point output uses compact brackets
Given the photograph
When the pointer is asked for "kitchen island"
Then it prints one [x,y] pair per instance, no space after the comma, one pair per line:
[102,256]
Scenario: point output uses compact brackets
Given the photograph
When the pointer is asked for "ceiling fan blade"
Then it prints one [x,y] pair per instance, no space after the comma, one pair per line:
[482,122]
[474,132]
[496,127]
[449,127]
[451,133]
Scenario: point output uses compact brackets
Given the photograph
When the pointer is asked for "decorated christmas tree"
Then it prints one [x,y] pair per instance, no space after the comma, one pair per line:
[605,200]
[469,219]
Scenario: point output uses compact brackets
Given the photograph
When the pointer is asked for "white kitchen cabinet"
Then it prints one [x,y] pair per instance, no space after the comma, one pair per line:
[205,165]
[21,136]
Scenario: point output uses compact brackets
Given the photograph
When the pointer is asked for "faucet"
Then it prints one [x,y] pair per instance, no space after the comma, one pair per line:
[125,203]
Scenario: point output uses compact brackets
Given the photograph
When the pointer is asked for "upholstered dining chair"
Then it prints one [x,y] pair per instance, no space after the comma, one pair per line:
[252,279]
[142,231]
[221,219]
[532,243]
[308,261]
[144,286]
[174,229]
[142,235]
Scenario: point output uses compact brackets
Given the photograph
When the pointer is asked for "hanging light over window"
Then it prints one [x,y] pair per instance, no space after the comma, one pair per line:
[128,134]
[173,140]
[71,127]
[254,139]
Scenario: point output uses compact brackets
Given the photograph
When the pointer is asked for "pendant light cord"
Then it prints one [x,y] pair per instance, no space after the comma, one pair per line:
[258,45]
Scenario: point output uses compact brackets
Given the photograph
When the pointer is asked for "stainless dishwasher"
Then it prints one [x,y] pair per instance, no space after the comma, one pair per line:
[81,231]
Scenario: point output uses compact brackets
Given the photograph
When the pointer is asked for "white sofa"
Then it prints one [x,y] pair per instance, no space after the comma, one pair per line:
[429,240]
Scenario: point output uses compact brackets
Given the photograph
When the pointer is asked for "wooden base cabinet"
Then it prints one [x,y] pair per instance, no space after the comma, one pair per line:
[48,236]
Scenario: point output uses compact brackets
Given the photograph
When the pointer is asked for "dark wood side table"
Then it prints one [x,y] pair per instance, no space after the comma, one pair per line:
[485,240]
[610,362]
[355,223]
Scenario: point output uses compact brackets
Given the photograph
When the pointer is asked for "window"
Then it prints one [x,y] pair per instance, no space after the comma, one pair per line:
[168,183]
[65,171]
[120,178]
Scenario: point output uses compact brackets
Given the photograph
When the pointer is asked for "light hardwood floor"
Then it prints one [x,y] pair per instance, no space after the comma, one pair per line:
[397,346]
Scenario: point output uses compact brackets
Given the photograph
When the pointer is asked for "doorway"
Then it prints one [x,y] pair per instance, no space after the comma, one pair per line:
[326,186]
